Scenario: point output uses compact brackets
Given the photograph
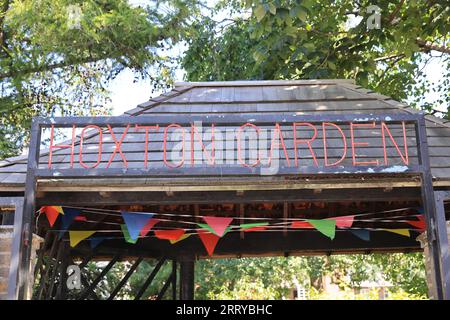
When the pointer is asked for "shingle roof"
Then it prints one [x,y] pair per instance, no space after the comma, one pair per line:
[270,97]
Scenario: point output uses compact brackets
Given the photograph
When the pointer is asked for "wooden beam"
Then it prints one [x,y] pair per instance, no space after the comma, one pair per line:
[198,197]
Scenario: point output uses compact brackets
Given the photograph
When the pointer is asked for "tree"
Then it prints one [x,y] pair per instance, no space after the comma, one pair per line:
[57,56]
[307,39]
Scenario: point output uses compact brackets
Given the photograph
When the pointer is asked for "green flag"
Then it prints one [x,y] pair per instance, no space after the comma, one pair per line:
[245,226]
[126,234]
[207,227]
[326,227]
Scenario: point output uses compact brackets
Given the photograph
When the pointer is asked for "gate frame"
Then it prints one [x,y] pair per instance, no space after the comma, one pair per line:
[438,247]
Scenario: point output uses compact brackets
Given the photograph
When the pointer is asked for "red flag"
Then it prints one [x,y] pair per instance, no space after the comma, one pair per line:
[209,241]
[344,221]
[218,224]
[80,218]
[150,224]
[260,228]
[421,225]
[174,234]
[302,225]
[52,214]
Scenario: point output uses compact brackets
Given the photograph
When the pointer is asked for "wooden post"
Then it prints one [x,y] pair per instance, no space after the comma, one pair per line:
[187,269]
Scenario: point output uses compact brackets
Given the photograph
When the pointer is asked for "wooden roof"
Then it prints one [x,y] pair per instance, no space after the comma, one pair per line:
[313,97]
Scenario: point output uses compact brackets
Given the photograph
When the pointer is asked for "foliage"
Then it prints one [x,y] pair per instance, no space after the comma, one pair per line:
[57,56]
[273,278]
[293,39]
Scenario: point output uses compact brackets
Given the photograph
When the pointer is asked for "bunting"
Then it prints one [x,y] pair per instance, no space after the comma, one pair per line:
[126,234]
[362,234]
[209,240]
[301,225]
[419,224]
[208,228]
[326,227]
[51,213]
[77,236]
[402,232]
[344,221]
[183,237]
[254,226]
[66,220]
[150,224]
[218,224]
[174,234]
[135,222]
[95,241]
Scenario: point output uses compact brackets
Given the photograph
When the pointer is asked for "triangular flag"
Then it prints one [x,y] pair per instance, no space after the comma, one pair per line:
[126,234]
[260,228]
[218,224]
[245,226]
[326,227]
[208,228]
[66,220]
[402,232]
[362,234]
[302,225]
[420,224]
[59,209]
[95,241]
[209,241]
[149,225]
[81,218]
[344,221]
[135,222]
[184,236]
[52,214]
[174,234]
[77,236]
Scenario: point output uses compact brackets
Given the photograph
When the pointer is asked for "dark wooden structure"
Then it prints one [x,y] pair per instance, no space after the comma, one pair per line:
[381,186]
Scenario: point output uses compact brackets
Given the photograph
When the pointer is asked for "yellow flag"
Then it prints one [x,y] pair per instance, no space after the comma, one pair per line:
[184,236]
[402,232]
[59,209]
[77,236]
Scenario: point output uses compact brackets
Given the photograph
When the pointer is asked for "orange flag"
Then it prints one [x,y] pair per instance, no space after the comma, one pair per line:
[173,235]
[209,241]
[302,225]
[52,214]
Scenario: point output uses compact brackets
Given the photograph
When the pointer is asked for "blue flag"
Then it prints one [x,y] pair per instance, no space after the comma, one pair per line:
[66,219]
[95,241]
[135,222]
[362,234]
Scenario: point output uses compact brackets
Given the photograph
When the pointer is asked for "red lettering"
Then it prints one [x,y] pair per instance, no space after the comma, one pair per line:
[278,134]
[239,132]
[147,129]
[100,142]
[404,158]
[307,141]
[325,151]
[166,131]
[210,158]
[361,144]
[61,146]
[118,146]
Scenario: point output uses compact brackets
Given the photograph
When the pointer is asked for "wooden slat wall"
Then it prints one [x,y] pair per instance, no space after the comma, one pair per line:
[302,98]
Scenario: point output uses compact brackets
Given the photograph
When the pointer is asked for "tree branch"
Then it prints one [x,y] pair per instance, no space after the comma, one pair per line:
[428,45]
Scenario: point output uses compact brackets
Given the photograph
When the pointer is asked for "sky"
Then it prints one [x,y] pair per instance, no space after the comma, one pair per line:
[127,94]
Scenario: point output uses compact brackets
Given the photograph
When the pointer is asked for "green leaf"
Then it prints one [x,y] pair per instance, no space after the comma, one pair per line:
[272,8]
[259,12]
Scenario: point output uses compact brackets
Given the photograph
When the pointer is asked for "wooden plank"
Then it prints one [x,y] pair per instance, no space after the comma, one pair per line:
[199,197]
